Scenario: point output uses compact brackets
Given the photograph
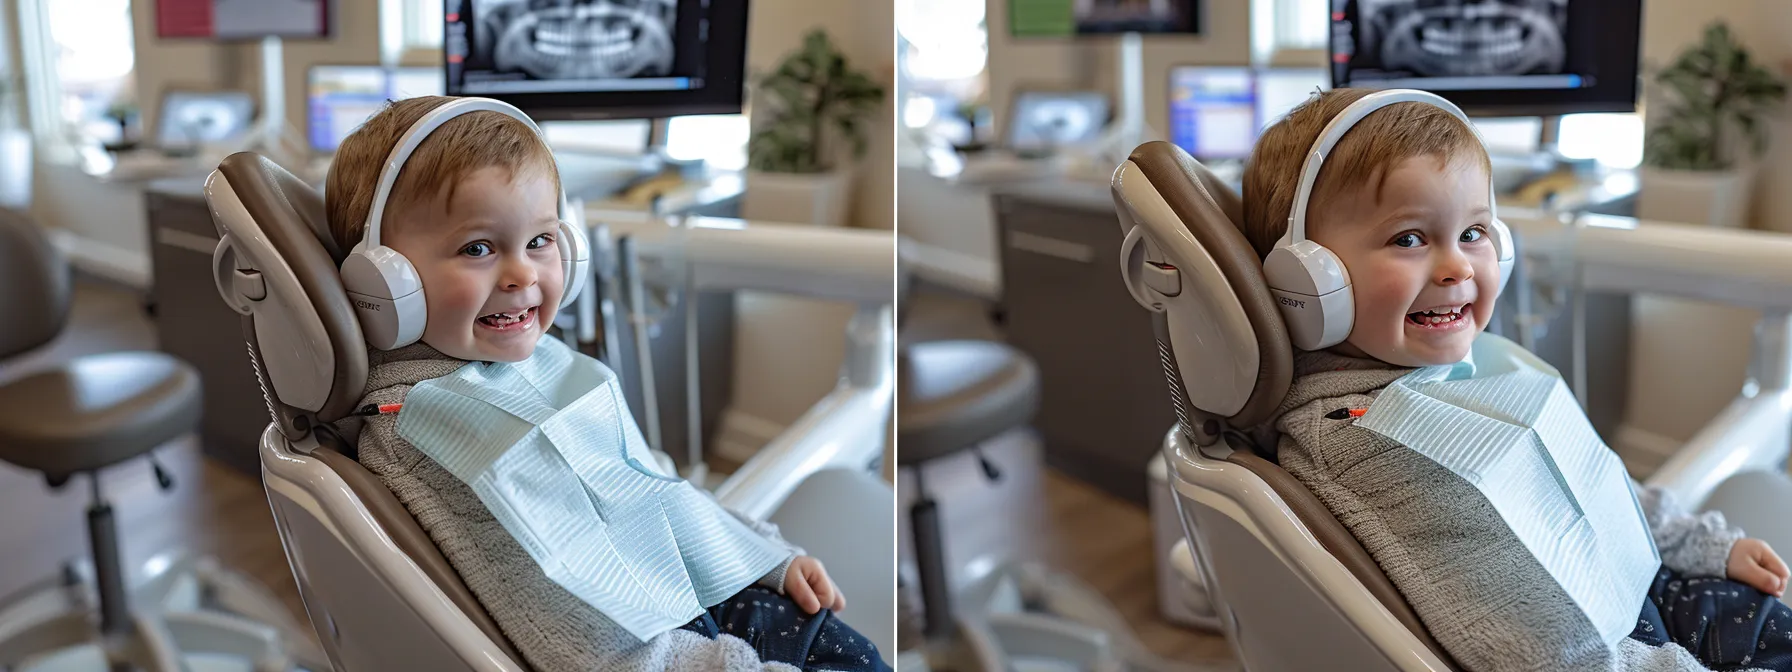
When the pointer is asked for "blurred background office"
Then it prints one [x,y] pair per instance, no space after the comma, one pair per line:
[1013,114]
[112,113]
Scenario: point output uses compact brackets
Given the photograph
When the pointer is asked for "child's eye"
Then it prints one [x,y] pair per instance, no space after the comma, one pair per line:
[541,241]
[476,249]
[1408,240]
[1473,234]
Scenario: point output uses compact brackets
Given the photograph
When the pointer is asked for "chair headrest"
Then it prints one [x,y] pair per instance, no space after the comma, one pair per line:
[1220,336]
[276,264]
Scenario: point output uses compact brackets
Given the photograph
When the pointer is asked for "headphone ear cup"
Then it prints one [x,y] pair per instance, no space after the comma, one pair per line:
[388,297]
[1506,248]
[575,261]
[1312,289]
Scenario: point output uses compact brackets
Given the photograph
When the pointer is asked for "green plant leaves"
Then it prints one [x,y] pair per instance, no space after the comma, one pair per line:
[813,91]
[1715,85]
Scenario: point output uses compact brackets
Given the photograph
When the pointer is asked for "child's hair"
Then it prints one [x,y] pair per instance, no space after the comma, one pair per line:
[1364,156]
[463,145]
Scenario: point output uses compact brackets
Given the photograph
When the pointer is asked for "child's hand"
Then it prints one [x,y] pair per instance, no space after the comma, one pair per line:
[808,584]
[1754,563]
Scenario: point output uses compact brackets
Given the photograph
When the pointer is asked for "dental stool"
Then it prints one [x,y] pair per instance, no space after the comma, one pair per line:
[953,396]
[78,418]
[1281,568]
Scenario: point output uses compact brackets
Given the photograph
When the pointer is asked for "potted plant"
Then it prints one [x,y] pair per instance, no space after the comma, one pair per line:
[1696,168]
[803,110]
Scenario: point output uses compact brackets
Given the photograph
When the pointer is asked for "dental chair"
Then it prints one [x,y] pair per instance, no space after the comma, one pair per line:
[93,413]
[379,593]
[1282,569]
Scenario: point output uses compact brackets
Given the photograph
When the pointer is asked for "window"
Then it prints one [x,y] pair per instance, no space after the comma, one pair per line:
[78,59]
[1301,24]
[942,54]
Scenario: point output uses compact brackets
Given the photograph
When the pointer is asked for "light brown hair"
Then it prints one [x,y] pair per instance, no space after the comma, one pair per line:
[456,149]
[1363,157]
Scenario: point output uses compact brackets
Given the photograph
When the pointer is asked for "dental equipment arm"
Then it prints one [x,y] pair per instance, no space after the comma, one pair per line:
[1735,267]
[848,426]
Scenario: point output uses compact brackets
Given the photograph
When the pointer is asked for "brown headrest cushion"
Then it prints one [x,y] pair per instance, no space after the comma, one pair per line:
[291,213]
[1212,211]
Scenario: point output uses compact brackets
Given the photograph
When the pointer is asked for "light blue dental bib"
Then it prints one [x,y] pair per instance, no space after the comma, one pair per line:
[1504,421]
[550,448]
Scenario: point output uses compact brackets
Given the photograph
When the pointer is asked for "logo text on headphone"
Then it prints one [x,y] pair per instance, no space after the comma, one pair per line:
[1291,303]
[366,305]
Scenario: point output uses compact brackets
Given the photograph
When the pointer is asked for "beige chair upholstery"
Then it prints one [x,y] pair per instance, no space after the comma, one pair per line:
[291,213]
[1212,214]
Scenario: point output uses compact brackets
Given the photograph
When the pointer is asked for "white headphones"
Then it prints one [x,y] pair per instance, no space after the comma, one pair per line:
[386,291]
[1309,282]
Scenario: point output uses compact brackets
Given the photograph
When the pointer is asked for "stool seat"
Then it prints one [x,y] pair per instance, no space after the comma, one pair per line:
[956,394]
[96,410]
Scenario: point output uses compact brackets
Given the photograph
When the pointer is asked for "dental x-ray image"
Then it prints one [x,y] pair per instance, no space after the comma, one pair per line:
[1462,38]
[575,39]
[1045,120]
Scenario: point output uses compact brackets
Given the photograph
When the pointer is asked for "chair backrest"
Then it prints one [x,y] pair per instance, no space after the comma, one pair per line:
[1229,363]
[277,265]
[34,285]
[1282,568]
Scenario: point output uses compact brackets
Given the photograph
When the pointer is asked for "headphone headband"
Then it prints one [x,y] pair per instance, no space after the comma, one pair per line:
[1341,124]
[415,136]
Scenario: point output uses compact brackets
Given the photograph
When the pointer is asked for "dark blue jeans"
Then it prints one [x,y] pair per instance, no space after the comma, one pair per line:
[1725,624]
[780,631]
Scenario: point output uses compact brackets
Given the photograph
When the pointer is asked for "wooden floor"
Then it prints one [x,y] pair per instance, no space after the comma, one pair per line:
[210,511]
[1036,513]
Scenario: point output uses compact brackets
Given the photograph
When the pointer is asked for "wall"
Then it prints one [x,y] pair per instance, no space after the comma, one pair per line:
[1018,64]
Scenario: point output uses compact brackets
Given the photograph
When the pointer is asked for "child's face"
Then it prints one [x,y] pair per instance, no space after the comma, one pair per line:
[489,263]
[1422,268]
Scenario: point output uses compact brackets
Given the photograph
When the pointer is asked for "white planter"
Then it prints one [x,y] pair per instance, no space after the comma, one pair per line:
[1719,199]
[822,199]
[15,169]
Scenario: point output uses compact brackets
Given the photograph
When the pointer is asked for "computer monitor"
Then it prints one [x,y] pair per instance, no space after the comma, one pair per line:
[653,58]
[1213,111]
[1499,58]
[190,118]
[342,97]
[242,19]
[1279,90]
[1042,120]
[1066,18]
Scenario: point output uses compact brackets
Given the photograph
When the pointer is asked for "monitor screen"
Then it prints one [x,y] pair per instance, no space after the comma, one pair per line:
[1065,18]
[1042,120]
[599,59]
[1213,111]
[1279,90]
[342,97]
[1494,58]
[189,118]
[242,19]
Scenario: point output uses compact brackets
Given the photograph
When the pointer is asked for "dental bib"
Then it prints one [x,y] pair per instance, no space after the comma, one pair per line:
[549,447]
[1503,420]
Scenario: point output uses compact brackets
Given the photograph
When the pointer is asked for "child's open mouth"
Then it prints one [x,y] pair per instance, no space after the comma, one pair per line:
[509,321]
[1441,317]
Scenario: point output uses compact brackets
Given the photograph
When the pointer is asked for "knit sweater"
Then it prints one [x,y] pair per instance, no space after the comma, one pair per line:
[1484,597]
[551,628]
